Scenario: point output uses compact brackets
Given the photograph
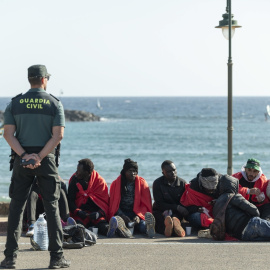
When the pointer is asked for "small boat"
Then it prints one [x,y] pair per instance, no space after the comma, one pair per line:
[98,105]
[268,109]
[267,113]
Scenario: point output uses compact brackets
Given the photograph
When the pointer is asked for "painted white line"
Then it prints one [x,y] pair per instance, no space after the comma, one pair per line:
[184,243]
[177,243]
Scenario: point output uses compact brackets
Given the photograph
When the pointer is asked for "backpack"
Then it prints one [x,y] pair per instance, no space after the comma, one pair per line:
[77,236]
[218,228]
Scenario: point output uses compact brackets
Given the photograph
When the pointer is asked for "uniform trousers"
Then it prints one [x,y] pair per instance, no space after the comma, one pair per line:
[49,184]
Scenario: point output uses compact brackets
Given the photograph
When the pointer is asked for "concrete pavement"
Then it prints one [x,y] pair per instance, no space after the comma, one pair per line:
[158,253]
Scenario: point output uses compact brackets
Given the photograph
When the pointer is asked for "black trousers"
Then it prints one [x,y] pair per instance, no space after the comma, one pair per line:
[49,184]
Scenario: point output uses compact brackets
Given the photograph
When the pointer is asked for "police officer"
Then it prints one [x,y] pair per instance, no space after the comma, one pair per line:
[33,127]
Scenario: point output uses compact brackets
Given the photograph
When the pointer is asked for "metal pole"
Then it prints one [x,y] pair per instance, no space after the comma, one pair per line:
[230,126]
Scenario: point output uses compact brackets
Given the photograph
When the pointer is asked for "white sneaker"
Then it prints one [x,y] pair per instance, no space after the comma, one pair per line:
[30,231]
[204,234]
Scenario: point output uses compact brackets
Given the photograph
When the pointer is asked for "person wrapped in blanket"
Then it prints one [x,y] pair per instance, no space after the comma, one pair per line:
[130,203]
[88,197]
[167,209]
[253,186]
[201,193]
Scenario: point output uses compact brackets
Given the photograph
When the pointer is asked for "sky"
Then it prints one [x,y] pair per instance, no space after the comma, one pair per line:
[134,48]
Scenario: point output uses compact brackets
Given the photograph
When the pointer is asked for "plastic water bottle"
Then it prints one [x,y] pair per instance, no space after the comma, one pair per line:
[41,233]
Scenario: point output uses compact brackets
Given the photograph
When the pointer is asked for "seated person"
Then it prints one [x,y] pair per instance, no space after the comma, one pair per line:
[253,184]
[35,207]
[242,218]
[201,193]
[167,209]
[130,203]
[88,197]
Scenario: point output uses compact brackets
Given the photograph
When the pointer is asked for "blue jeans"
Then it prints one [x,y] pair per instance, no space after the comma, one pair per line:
[257,229]
[195,220]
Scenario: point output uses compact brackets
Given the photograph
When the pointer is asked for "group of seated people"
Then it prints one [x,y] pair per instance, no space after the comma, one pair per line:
[128,204]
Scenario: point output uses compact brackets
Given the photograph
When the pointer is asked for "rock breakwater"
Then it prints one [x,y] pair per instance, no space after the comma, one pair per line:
[71,116]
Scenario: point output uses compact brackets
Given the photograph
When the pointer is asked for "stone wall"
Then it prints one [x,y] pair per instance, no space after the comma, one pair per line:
[4,208]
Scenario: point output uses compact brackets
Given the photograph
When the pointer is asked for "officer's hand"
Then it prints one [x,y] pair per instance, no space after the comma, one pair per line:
[94,215]
[182,210]
[32,156]
[82,214]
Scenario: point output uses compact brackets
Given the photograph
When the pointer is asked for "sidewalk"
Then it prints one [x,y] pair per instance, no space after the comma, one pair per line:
[3,223]
[188,253]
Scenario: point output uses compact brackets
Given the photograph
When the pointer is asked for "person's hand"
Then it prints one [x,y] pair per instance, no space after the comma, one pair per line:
[200,209]
[254,191]
[260,197]
[212,202]
[182,210]
[136,220]
[125,218]
[82,214]
[34,156]
[94,215]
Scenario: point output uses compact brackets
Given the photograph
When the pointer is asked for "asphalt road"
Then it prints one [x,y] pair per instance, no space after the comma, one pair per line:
[158,253]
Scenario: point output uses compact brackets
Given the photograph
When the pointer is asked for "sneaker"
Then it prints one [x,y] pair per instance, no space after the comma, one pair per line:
[178,229]
[204,234]
[9,262]
[30,231]
[113,224]
[57,263]
[150,224]
[122,229]
[168,226]
[71,221]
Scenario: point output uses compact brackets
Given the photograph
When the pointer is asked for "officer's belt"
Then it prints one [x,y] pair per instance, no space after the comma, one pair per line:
[35,149]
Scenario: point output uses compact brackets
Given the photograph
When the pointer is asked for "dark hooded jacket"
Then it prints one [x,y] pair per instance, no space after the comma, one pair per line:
[239,211]
[226,184]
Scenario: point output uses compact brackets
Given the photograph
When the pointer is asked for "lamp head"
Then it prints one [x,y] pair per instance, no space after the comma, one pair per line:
[224,25]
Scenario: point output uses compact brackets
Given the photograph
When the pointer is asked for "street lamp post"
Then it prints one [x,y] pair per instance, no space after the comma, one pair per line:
[228,26]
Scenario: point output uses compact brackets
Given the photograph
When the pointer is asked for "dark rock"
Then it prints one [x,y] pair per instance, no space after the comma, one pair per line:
[80,116]
[71,116]
[1,117]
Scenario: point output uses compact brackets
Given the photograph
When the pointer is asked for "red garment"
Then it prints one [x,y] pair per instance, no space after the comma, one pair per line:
[192,197]
[97,191]
[261,184]
[142,197]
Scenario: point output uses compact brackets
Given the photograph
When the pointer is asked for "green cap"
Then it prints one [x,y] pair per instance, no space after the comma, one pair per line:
[38,71]
[253,164]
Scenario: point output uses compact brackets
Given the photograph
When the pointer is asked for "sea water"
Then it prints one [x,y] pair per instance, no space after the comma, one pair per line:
[191,131]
